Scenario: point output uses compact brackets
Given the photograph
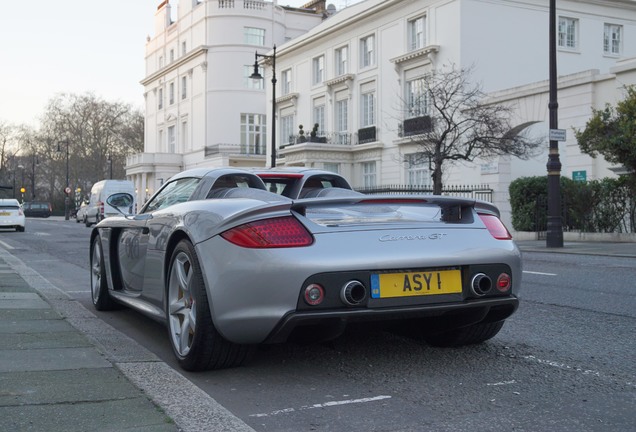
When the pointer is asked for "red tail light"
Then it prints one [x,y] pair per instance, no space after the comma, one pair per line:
[496,228]
[279,232]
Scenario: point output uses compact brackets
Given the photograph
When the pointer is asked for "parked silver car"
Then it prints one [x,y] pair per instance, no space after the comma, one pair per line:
[229,265]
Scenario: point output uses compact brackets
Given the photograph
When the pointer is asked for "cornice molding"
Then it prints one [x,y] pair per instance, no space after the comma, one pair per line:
[427,51]
[175,64]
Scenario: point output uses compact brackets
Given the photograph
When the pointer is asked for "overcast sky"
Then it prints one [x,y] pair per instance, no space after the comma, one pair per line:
[76,46]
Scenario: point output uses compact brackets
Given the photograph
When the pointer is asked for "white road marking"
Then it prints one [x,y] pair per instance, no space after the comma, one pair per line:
[562,366]
[540,273]
[6,246]
[321,405]
[502,383]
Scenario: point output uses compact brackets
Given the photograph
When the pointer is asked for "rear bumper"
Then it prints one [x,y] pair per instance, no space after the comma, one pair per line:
[445,315]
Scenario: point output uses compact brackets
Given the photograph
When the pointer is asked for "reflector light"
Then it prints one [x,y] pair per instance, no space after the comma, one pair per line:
[496,228]
[314,294]
[503,282]
[279,232]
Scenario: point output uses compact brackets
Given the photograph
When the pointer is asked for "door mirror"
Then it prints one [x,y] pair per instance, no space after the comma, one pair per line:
[120,200]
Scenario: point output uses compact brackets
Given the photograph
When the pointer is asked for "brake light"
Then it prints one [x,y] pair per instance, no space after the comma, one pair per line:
[496,228]
[270,233]
[100,206]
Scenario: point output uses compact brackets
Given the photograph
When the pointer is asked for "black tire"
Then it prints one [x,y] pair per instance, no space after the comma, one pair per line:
[469,335]
[99,286]
[19,229]
[86,222]
[195,341]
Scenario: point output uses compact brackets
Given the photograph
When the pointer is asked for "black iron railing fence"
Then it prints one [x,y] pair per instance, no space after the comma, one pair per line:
[481,192]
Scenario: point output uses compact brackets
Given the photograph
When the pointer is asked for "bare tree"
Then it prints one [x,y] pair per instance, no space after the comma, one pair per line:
[99,135]
[450,120]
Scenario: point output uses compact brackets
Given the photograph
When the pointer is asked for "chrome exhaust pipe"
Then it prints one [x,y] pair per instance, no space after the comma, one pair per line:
[480,284]
[353,293]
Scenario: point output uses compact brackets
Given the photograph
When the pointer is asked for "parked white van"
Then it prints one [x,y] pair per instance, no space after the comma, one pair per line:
[98,209]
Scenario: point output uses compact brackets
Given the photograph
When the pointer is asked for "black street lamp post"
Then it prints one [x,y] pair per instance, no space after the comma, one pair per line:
[554,234]
[257,75]
[34,162]
[110,166]
[67,188]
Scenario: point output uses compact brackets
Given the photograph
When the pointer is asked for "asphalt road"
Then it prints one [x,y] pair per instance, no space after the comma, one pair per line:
[564,361]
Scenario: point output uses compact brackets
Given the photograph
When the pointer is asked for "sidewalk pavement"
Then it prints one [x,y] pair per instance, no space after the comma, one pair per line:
[63,369]
[616,249]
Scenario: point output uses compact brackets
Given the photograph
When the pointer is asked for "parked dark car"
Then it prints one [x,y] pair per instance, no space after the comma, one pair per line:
[37,209]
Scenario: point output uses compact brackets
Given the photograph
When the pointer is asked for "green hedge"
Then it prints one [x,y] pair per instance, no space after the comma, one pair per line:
[605,205]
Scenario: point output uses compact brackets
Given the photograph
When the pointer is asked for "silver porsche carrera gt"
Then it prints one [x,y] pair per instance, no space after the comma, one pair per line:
[229,265]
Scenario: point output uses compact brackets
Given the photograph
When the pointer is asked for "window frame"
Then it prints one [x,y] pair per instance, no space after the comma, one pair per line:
[416,98]
[341,61]
[254,36]
[568,33]
[369,174]
[416,34]
[609,41]
[367,109]
[286,134]
[253,133]
[318,70]
[367,51]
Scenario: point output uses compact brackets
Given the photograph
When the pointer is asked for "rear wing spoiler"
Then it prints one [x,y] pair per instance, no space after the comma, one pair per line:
[454,209]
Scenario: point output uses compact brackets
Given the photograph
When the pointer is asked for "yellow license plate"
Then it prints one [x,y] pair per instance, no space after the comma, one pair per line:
[419,283]
[5,214]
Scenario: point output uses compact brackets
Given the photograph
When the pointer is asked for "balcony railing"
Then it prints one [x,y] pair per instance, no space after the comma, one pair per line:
[234,149]
[363,136]
[417,125]
[366,135]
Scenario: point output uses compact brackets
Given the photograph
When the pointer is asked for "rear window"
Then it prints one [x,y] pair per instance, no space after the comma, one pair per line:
[371,213]
[9,207]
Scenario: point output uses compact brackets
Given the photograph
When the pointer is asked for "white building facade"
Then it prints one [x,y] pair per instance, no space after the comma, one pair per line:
[358,75]
[201,106]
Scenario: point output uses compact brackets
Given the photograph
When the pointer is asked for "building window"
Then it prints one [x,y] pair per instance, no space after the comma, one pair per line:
[253,134]
[417,170]
[172,139]
[171,55]
[285,84]
[331,167]
[318,70]
[250,83]
[160,99]
[368,174]
[254,36]
[183,48]
[287,129]
[184,135]
[612,39]
[416,33]
[367,51]
[367,109]
[342,124]
[171,93]
[341,60]
[319,118]
[184,87]
[160,62]
[416,98]
[160,141]
[568,33]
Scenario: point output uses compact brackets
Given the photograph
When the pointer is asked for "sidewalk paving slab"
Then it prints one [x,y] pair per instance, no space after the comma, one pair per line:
[63,369]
